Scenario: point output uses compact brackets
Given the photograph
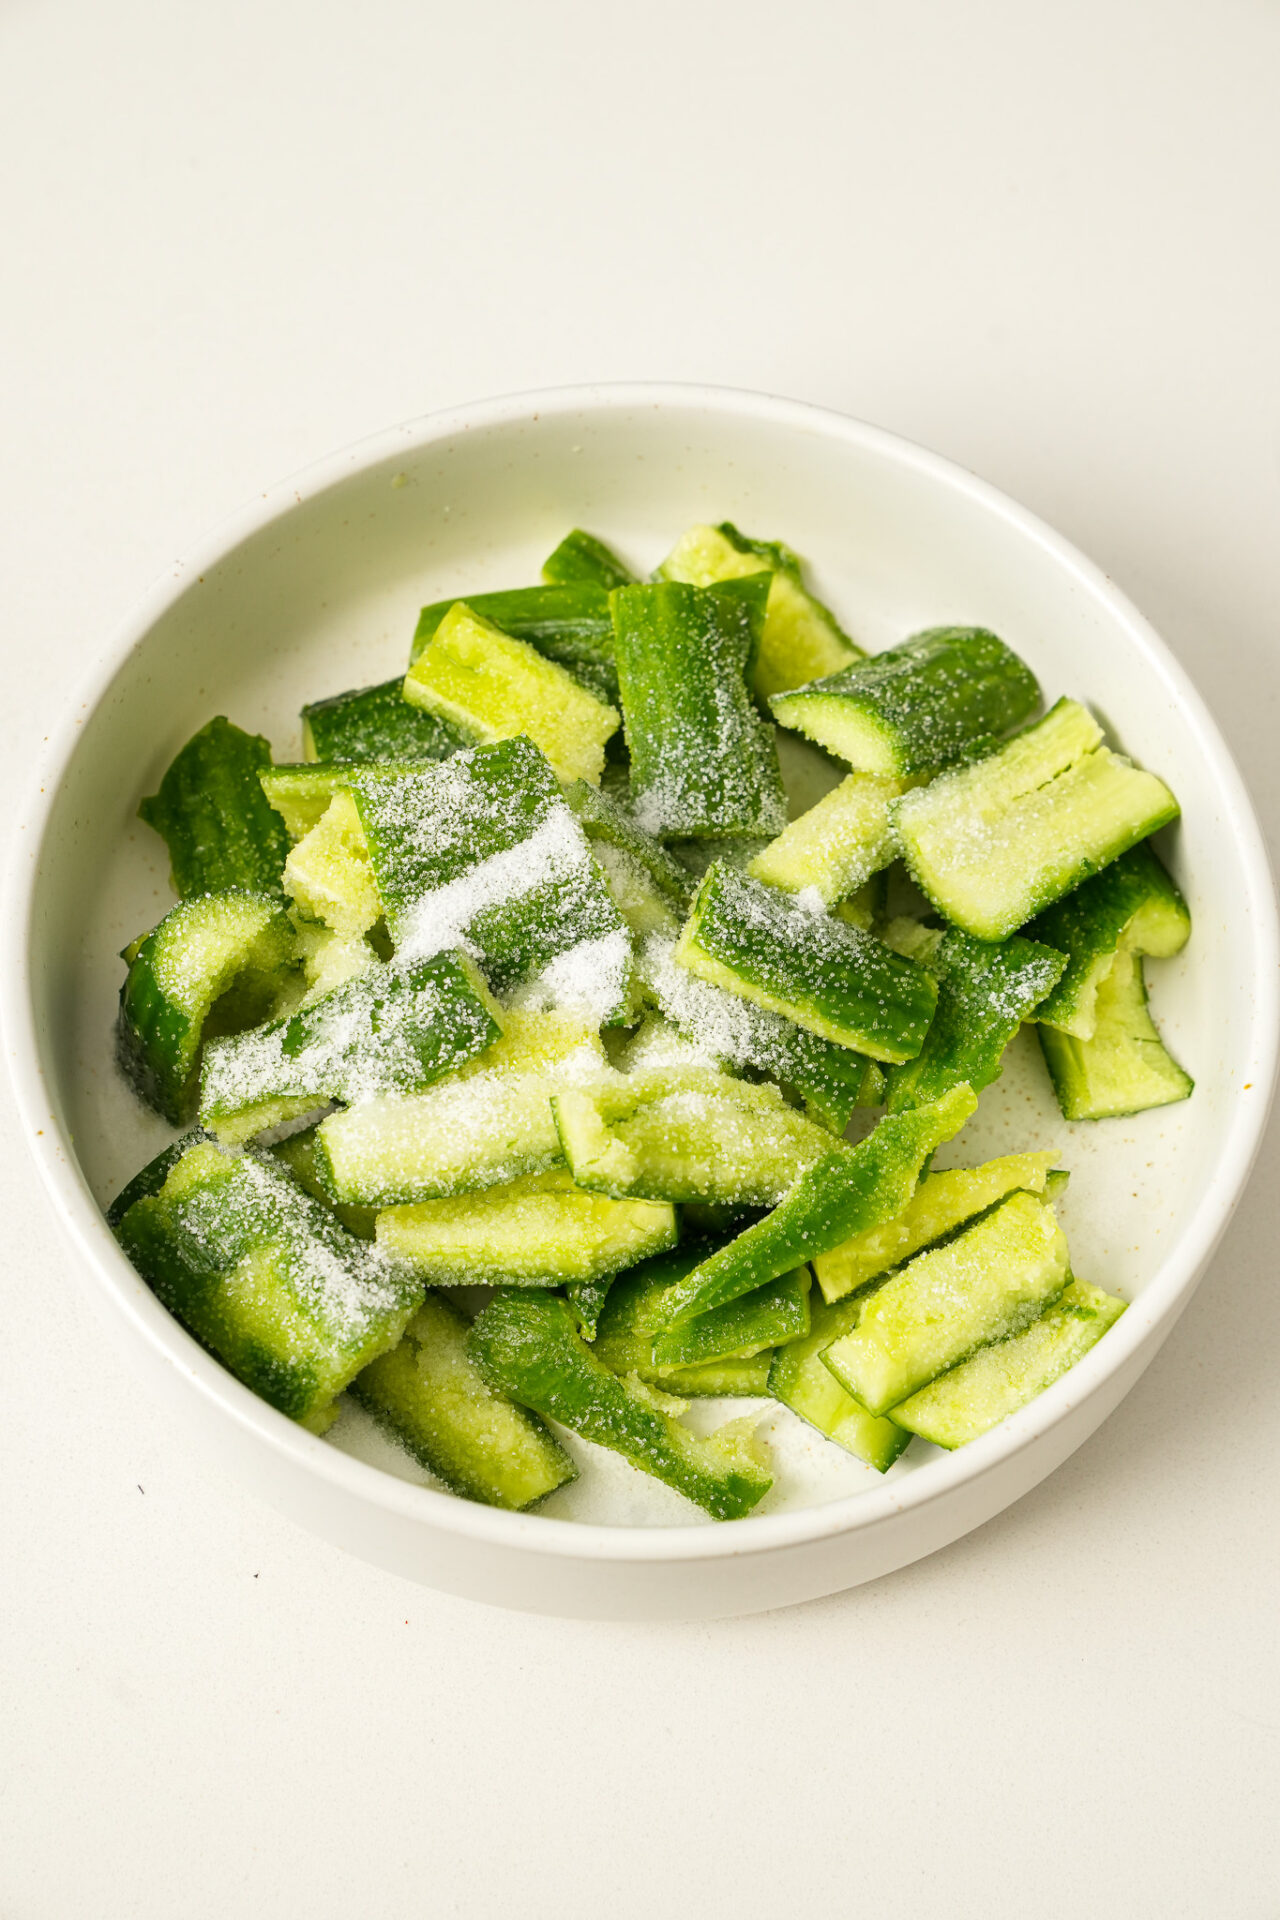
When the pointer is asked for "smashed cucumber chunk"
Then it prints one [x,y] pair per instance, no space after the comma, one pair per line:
[1133,903]
[376,724]
[941,1203]
[487,1124]
[993,843]
[428,1394]
[799,1380]
[569,623]
[491,687]
[526,1345]
[211,814]
[838,982]
[266,1278]
[702,760]
[838,845]
[385,1031]
[215,964]
[971,1398]
[328,874]
[581,557]
[758,1322]
[537,1231]
[301,792]
[985,991]
[992,1280]
[921,705]
[801,639]
[851,1190]
[1124,1068]
[481,852]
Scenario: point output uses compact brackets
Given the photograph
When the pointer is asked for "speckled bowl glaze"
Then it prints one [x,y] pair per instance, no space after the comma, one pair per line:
[315,588]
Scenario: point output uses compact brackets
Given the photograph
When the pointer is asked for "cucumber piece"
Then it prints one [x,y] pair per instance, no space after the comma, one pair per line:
[215,964]
[831,1080]
[481,852]
[836,846]
[527,1346]
[297,1154]
[211,814]
[941,1203]
[643,906]
[923,704]
[1132,903]
[990,1281]
[570,624]
[587,1298]
[734,1379]
[487,1124]
[538,1231]
[690,1135]
[301,792]
[266,1278]
[993,843]
[147,1183]
[491,687]
[800,1381]
[328,874]
[1124,1068]
[608,824]
[625,1346]
[581,557]
[977,1395]
[376,724]
[330,959]
[387,1031]
[774,1314]
[429,1394]
[985,992]
[838,982]
[801,638]
[702,760]
[850,1191]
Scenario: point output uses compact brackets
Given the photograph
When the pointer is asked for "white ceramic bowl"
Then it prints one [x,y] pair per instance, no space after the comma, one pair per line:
[316,588]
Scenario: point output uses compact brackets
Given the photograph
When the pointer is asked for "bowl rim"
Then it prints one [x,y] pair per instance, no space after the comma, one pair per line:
[1163,1298]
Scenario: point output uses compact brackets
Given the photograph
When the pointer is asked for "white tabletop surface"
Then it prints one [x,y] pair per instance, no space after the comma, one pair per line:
[1039,238]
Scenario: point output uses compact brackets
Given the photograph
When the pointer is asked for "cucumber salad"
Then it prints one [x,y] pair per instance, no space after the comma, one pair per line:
[513,1037]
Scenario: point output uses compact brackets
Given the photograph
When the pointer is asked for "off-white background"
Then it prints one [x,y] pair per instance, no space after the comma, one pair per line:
[1040,238]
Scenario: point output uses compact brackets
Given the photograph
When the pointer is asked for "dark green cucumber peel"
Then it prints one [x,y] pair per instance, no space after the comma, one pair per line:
[769,1317]
[825,975]
[213,817]
[702,760]
[148,1182]
[985,991]
[848,1192]
[266,1279]
[376,723]
[570,624]
[579,558]
[921,705]
[527,1346]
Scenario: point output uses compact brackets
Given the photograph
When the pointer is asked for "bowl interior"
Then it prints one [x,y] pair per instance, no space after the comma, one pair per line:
[324,595]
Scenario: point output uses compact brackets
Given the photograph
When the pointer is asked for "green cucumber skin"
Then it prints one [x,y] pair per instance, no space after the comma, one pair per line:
[774,1314]
[437,825]
[798,1380]
[1125,1067]
[570,624]
[931,699]
[582,559]
[985,991]
[186,1246]
[377,723]
[848,1192]
[1089,924]
[148,1182]
[211,812]
[702,760]
[413,1393]
[820,972]
[527,1346]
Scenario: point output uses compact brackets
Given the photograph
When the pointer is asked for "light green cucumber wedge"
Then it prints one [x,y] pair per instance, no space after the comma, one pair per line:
[838,845]
[1125,1067]
[993,843]
[990,1281]
[800,1381]
[429,1394]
